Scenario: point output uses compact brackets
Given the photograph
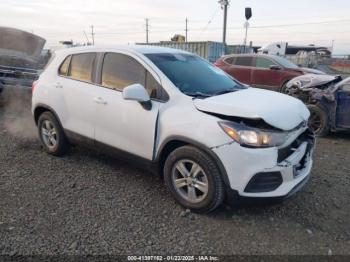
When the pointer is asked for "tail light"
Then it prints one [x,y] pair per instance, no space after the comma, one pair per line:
[34,85]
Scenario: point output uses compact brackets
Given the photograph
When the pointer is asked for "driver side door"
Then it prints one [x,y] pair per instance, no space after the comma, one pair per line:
[119,123]
[265,77]
[343,107]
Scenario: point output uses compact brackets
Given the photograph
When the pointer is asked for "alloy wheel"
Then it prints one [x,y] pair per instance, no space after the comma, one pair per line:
[49,134]
[190,181]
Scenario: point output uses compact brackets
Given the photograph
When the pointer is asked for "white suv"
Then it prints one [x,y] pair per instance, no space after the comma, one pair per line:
[208,135]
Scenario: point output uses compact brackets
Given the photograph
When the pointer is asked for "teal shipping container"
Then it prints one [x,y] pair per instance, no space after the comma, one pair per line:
[211,51]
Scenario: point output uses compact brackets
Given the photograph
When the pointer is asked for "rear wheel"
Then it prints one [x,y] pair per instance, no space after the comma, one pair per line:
[51,135]
[194,179]
[318,121]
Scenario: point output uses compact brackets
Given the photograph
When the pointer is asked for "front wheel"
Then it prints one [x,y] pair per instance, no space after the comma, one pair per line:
[194,179]
[318,121]
[285,89]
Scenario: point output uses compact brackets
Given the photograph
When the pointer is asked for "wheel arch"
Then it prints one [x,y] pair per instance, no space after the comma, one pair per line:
[284,83]
[174,142]
[41,108]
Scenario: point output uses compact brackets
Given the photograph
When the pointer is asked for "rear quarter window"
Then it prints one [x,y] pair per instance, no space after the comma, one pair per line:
[230,60]
[63,70]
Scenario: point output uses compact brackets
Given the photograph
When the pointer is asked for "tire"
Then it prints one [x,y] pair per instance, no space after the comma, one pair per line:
[284,88]
[318,121]
[50,130]
[207,174]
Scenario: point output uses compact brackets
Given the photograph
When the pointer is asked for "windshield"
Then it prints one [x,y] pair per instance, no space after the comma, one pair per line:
[193,75]
[284,62]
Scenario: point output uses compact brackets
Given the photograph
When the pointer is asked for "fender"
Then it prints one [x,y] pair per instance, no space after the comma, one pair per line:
[189,141]
[48,108]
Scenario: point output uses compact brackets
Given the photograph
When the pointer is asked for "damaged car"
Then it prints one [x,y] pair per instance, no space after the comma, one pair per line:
[210,137]
[328,99]
[20,58]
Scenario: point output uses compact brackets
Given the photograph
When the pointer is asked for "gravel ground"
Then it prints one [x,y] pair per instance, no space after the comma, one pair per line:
[87,203]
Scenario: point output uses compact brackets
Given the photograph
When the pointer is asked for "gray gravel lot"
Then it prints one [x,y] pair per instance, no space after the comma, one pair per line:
[88,203]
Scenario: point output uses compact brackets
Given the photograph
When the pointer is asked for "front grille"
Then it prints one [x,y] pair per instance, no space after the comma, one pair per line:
[264,182]
[285,152]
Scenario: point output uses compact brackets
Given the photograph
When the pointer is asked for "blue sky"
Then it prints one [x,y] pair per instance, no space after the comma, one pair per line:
[120,21]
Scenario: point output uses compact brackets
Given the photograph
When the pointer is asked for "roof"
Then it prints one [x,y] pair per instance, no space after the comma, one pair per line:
[143,49]
[250,55]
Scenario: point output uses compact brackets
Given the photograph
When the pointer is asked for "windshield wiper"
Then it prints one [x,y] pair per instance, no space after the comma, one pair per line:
[225,91]
[197,94]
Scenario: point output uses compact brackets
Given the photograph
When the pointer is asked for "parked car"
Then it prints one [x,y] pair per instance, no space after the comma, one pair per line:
[328,99]
[209,136]
[262,71]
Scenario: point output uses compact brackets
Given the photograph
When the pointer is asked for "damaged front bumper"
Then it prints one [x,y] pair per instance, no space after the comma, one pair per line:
[268,172]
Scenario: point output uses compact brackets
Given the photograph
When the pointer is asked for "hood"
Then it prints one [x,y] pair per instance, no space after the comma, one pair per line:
[313,80]
[306,70]
[278,110]
[20,44]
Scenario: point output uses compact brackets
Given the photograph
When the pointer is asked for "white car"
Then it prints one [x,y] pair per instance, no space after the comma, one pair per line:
[209,136]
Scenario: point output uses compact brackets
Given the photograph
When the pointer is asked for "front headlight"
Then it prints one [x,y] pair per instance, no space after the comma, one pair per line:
[253,137]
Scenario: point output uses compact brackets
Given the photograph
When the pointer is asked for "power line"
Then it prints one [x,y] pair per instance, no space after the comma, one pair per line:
[87,39]
[210,20]
[217,28]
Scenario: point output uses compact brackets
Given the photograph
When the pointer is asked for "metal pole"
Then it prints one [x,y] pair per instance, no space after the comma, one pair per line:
[186,29]
[246,35]
[225,22]
[147,30]
[92,35]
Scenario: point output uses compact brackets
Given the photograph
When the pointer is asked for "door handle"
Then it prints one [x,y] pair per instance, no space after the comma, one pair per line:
[59,85]
[100,100]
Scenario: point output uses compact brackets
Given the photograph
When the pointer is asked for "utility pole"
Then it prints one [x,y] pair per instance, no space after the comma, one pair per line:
[224,5]
[186,30]
[147,30]
[92,35]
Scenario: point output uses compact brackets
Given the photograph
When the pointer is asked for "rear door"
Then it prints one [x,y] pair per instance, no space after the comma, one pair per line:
[241,68]
[125,125]
[73,94]
[264,77]
[343,107]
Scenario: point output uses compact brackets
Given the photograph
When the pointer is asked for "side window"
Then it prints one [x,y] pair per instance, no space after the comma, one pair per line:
[263,62]
[120,71]
[244,61]
[81,66]
[153,88]
[63,70]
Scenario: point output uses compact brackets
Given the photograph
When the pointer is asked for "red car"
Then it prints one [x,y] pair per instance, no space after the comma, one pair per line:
[262,71]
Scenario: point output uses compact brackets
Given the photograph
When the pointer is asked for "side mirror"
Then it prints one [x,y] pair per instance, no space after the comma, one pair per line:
[137,92]
[275,67]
